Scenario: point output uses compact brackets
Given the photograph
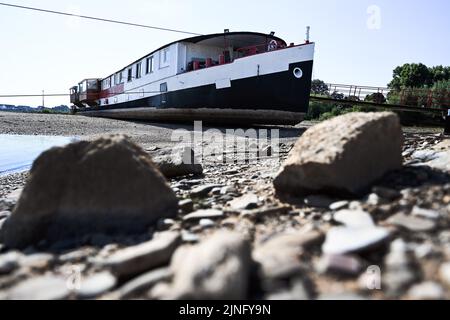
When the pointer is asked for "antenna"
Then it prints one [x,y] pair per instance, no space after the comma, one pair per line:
[308,29]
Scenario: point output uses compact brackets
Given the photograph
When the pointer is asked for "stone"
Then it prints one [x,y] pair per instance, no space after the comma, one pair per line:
[189,237]
[47,287]
[444,273]
[428,290]
[343,155]
[425,213]
[339,205]
[4,214]
[207,223]
[186,206]
[180,162]
[204,214]
[340,264]
[37,261]
[247,201]
[386,193]
[411,223]
[318,201]
[9,262]
[77,255]
[297,291]
[342,240]
[203,191]
[96,285]
[144,257]
[279,256]
[218,268]
[353,218]
[109,186]
[144,282]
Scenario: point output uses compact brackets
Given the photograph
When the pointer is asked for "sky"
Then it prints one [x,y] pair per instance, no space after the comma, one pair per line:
[357,41]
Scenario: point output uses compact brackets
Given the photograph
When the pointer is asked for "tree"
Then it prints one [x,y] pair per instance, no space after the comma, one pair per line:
[440,73]
[414,75]
[319,87]
[376,97]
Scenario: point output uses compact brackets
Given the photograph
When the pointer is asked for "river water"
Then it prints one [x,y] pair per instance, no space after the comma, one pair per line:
[17,153]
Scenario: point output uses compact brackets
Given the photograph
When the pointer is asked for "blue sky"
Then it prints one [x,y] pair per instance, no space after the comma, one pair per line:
[358,41]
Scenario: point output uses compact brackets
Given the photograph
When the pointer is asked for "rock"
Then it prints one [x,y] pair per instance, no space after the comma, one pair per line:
[399,273]
[108,186]
[444,273]
[345,154]
[297,291]
[186,206]
[144,282]
[318,201]
[96,285]
[4,214]
[344,296]
[203,191]
[180,162]
[425,213]
[37,261]
[216,269]
[353,218]
[247,201]
[340,264]
[144,257]
[411,223]
[9,262]
[279,257]
[342,240]
[77,255]
[207,223]
[189,237]
[428,290]
[204,214]
[48,287]
[339,205]
[424,155]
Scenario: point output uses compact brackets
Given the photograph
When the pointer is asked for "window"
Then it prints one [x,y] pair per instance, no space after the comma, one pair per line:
[138,70]
[118,78]
[163,87]
[164,59]
[130,74]
[166,55]
[150,65]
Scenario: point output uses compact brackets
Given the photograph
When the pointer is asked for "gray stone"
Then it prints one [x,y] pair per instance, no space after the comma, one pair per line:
[48,287]
[247,201]
[96,285]
[207,223]
[428,290]
[108,186]
[353,218]
[4,214]
[411,223]
[37,261]
[339,205]
[189,237]
[204,214]
[340,264]
[297,291]
[444,273]
[216,269]
[342,240]
[144,282]
[180,162]
[386,193]
[9,262]
[186,206]
[144,257]
[345,154]
[425,213]
[77,255]
[203,191]
[279,256]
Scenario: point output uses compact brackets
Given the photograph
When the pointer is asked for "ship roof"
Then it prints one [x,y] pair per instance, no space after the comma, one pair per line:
[234,39]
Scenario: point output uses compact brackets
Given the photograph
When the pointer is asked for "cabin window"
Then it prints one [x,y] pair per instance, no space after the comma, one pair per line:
[138,70]
[130,74]
[118,78]
[106,83]
[164,58]
[150,65]
[166,55]
[163,87]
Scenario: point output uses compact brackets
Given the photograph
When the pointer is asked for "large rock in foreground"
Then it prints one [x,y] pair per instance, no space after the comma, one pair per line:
[108,186]
[343,155]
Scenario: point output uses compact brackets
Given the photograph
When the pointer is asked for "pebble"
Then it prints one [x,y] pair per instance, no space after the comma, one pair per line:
[425,213]
[144,282]
[189,237]
[202,191]
[318,201]
[340,264]
[47,287]
[426,291]
[134,260]
[186,206]
[207,223]
[248,201]
[37,261]
[386,193]
[342,240]
[339,205]
[9,262]
[411,223]
[96,285]
[204,214]
[4,214]
[444,273]
[353,218]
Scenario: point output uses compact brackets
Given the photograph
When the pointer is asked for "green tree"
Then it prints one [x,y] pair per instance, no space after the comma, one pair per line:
[440,73]
[319,87]
[411,75]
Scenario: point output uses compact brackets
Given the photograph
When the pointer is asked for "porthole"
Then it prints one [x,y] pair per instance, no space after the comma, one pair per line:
[298,73]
